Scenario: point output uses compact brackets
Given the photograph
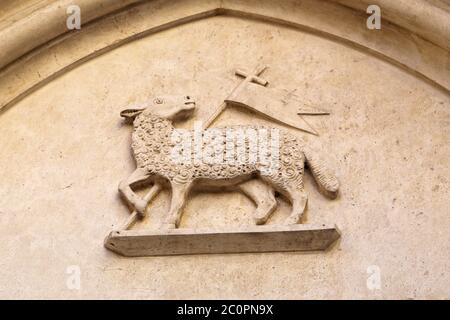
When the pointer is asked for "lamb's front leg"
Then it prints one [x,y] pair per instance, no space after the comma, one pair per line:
[179,195]
[139,175]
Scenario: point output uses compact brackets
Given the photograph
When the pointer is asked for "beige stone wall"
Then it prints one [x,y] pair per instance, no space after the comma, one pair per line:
[64,149]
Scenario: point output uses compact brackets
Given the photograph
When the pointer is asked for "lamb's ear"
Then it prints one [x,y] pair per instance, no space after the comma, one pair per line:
[131,114]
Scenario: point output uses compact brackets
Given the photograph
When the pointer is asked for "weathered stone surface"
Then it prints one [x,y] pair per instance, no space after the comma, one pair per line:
[64,149]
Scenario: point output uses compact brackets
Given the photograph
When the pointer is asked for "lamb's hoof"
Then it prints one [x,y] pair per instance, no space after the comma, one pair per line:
[168,226]
[259,220]
[263,212]
[291,220]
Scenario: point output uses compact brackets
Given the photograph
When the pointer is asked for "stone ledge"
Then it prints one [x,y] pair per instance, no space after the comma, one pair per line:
[301,237]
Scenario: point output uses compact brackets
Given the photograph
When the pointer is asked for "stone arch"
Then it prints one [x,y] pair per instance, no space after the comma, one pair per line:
[37,47]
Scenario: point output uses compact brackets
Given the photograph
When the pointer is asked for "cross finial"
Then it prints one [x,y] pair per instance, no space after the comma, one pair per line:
[255,76]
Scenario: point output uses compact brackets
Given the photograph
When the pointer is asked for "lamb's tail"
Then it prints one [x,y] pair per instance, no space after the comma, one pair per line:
[326,180]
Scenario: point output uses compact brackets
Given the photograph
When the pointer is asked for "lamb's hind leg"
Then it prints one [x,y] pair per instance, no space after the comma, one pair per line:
[179,194]
[292,187]
[299,199]
[263,196]
[139,175]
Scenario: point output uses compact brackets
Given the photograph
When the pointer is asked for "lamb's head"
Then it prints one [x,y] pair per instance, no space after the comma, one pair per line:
[167,107]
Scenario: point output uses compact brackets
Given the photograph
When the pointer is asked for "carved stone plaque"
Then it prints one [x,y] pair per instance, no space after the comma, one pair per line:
[255,160]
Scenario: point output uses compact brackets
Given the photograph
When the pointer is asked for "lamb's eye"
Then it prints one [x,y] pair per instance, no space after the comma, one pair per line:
[188,98]
[158,101]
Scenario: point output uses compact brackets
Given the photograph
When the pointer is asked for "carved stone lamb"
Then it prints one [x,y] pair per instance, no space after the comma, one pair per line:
[152,146]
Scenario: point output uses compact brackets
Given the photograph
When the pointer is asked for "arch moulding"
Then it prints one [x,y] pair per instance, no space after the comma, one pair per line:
[37,47]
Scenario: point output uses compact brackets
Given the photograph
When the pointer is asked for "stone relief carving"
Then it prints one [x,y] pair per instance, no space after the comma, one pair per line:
[152,147]
[155,140]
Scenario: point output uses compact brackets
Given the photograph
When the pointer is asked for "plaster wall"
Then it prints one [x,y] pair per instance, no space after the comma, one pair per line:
[64,149]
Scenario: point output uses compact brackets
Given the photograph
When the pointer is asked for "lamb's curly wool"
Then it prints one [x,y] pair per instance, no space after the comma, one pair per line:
[153,145]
